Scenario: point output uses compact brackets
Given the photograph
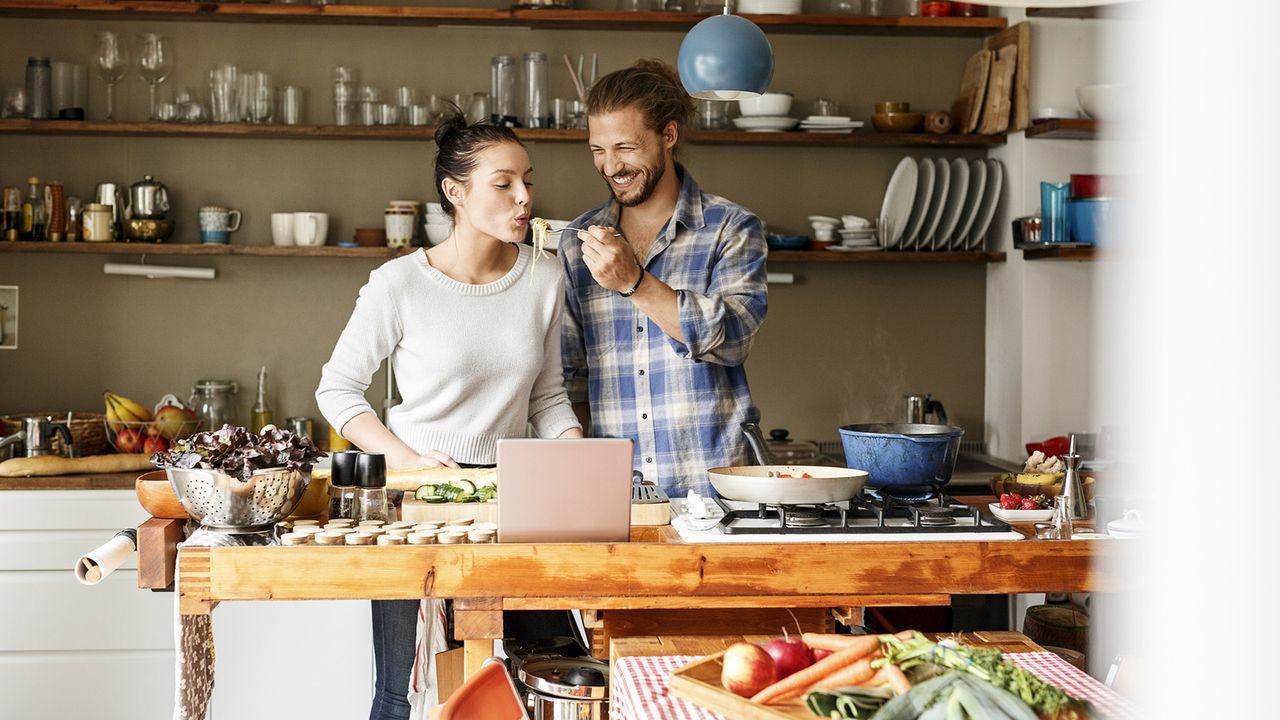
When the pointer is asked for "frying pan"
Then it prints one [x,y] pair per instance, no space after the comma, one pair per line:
[778,484]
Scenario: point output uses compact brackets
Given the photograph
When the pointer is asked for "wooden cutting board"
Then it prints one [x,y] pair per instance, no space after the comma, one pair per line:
[699,683]
[1020,95]
[415,510]
[996,106]
[410,480]
[967,107]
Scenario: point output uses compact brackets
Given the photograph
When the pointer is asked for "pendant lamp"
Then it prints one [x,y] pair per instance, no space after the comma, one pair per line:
[725,57]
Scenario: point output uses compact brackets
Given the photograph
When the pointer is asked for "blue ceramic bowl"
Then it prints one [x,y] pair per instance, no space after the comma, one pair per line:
[909,461]
[1088,219]
[788,242]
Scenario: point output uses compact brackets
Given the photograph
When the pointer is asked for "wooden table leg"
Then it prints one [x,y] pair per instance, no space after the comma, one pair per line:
[477,622]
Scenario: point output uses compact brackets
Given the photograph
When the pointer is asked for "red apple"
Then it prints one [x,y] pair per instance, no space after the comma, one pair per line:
[789,655]
[155,443]
[748,669]
[129,440]
[819,653]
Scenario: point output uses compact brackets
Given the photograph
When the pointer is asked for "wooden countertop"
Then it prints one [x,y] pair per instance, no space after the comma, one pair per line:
[91,481]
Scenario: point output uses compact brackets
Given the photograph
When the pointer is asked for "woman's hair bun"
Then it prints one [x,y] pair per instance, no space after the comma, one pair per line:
[452,123]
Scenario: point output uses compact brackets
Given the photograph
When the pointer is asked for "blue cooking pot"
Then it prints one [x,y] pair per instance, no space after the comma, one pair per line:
[905,460]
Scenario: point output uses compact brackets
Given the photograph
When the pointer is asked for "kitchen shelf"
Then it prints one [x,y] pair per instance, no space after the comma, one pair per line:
[200,249]
[488,16]
[1065,129]
[196,249]
[1118,10]
[1050,252]
[406,132]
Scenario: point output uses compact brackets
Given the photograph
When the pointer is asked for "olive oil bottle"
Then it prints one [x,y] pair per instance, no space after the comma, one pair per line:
[262,415]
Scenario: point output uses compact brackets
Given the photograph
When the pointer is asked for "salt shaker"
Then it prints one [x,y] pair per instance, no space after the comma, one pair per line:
[371,487]
[1063,527]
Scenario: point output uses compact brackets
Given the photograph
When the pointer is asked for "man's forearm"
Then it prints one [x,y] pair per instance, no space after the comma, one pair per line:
[658,301]
[583,411]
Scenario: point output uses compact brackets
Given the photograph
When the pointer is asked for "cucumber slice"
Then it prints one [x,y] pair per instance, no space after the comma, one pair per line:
[433,499]
[425,492]
[466,485]
[465,498]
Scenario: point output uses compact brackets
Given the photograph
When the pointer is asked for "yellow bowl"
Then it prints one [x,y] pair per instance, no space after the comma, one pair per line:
[1012,483]
[898,122]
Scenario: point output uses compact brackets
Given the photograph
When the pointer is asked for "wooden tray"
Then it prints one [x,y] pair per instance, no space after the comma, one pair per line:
[699,683]
[419,511]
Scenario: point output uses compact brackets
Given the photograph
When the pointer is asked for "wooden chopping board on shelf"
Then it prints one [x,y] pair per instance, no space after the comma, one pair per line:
[998,103]
[1020,87]
[967,107]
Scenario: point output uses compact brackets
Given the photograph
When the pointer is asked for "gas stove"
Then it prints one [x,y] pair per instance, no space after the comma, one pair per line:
[864,518]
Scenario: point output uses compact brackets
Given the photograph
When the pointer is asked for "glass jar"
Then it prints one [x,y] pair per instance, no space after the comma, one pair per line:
[504,89]
[214,403]
[536,103]
[371,488]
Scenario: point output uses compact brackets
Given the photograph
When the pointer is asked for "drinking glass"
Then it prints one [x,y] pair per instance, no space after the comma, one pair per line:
[110,62]
[262,98]
[155,59]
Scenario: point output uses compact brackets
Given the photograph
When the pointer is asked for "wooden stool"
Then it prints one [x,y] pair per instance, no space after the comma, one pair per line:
[1065,626]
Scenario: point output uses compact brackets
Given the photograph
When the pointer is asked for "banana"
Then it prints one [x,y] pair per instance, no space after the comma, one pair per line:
[128,410]
[113,419]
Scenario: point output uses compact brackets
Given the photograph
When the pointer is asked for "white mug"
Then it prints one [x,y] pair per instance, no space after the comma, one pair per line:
[282,229]
[310,228]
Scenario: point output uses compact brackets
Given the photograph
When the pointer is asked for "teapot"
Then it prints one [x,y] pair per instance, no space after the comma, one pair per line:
[919,407]
[148,199]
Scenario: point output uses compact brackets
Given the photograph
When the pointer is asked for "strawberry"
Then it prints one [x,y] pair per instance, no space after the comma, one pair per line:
[1010,502]
[1029,504]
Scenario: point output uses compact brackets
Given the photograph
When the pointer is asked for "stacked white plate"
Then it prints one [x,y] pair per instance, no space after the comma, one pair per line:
[830,124]
[768,7]
[764,123]
[933,204]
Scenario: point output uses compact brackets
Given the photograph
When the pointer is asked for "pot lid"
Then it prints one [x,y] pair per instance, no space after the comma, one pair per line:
[578,678]
[787,451]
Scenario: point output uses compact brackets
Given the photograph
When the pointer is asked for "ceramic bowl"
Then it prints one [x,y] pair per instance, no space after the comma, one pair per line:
[892,107]
[898,122]
[147,230]
[1001,484]
[1101,102]
[371,237]
[438,232]
[768,104]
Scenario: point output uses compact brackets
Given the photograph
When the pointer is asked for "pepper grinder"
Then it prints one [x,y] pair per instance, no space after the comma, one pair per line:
[1072,488]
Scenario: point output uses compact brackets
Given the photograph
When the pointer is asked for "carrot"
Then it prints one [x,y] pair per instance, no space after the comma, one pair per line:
[796,683]
[832,642]
[892,675]
[855,674]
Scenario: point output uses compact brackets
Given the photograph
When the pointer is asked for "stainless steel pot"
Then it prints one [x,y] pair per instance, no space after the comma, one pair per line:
[563,688]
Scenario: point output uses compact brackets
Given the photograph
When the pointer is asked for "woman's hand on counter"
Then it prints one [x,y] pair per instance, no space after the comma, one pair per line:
[410,460]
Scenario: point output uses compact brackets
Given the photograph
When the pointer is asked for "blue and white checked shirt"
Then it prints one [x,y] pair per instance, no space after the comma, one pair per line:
[680,403]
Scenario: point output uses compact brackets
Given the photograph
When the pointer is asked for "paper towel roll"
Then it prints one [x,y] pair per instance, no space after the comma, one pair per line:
[100,562]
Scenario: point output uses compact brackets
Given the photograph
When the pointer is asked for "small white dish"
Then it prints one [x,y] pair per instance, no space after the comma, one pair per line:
[764,123]
[1128,527]
[855,222]
[1088,535]
[823,219]
[1021,516]
[829,120]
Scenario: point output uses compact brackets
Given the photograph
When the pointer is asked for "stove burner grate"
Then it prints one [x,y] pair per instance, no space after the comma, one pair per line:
[865,514]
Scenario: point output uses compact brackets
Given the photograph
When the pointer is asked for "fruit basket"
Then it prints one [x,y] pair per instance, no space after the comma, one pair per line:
[149,436]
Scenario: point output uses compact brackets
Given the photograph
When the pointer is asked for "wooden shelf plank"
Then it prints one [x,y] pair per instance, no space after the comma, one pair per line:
[1050,252]
[1115,10]
[200,249]
[1065,129]
[197,249]
[497,17]
[21,126]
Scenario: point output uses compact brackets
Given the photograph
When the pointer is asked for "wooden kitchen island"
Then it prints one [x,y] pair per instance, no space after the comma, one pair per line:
[656,571]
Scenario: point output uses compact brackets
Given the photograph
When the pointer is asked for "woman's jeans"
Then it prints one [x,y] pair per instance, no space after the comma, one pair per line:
[395,624]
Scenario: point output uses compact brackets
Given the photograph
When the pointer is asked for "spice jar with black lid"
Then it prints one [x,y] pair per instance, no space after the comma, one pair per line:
[342,485]
[371,487]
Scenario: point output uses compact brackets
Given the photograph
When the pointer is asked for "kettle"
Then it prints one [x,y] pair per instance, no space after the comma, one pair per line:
[36,435]
[920,406]
[148,200]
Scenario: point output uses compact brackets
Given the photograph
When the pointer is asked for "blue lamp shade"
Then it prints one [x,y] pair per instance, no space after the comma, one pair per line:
[725,57]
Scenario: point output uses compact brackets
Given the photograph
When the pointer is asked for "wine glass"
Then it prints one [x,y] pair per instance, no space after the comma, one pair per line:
[155,59]
[110,62]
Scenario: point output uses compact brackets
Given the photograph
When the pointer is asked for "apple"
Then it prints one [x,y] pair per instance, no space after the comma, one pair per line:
[155,443]
[789,655]
[129,440]
[748,669]
[174,422]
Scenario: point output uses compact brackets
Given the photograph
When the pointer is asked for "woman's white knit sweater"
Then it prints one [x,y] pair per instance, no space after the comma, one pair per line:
[474,363]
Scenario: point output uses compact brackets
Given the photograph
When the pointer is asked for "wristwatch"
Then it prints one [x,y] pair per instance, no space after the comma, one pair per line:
[632,291]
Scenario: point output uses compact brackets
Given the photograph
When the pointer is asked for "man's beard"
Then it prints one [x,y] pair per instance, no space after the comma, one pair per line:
[652,176]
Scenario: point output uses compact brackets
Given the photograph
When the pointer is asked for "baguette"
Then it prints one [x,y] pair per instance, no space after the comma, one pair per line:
[410,480]
[46,465]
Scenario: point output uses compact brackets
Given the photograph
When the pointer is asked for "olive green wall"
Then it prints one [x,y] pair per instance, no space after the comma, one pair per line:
[840,345]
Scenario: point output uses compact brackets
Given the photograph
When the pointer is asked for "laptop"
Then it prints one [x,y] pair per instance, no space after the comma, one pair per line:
[564,490]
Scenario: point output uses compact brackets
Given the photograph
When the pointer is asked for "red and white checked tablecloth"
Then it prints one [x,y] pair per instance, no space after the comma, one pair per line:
[640,687]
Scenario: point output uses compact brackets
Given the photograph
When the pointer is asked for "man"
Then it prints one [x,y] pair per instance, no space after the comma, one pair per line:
[665,291]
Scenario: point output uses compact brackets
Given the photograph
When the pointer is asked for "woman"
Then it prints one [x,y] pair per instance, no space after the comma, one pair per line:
[472,330]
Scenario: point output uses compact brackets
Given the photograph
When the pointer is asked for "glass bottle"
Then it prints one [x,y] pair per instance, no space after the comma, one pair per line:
[262,415]
[214,403]
[504,90]
[32,224]
[536,108]
[1063,527]
[342,485]
[371,488]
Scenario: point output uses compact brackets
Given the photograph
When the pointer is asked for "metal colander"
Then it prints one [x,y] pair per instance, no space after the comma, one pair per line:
[222,502]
